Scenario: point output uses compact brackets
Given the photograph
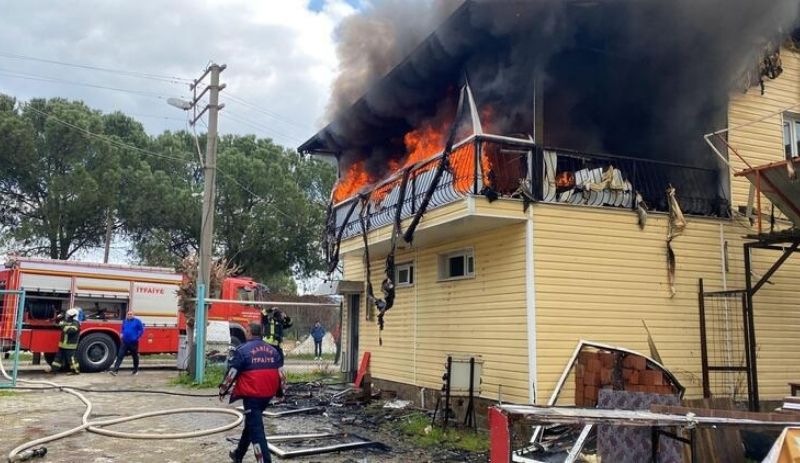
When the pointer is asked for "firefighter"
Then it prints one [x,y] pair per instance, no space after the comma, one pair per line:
[255,374]
[273,322]
[70,331]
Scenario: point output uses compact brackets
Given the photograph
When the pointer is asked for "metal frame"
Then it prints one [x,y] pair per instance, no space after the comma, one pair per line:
[20,296]
[752,392]
[770,242]
[317,450]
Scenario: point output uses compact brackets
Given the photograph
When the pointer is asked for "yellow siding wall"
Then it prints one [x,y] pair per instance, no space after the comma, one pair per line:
[762,142]
[484,315]
[598,276]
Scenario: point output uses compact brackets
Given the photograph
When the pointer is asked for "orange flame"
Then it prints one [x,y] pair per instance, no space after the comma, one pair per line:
[421,144]
[353,181]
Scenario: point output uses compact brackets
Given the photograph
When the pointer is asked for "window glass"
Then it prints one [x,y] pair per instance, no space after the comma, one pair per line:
[456,266]
[787,139]
[796,140]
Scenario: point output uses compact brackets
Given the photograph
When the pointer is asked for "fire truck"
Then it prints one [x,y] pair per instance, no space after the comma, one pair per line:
[105,293]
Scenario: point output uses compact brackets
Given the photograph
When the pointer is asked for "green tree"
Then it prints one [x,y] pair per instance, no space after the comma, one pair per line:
[269,214]
[53,177]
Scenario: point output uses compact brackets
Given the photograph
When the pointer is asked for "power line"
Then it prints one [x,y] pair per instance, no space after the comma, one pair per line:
[142,75]
[273,132]
[108,140]
[269,113]
[28,76]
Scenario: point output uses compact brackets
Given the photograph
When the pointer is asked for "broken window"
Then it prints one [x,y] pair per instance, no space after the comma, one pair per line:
[791,136]
[458,264]
[404,274]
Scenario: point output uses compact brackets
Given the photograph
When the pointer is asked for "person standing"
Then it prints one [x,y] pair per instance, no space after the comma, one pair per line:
[318,332]
[70,333]
[255,374]
[132,330]
[273,322]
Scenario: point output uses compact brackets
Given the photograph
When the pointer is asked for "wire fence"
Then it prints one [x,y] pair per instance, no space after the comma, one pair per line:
[725,344]
[11,304]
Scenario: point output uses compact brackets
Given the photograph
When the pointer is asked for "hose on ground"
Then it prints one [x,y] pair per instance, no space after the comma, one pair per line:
[97,426]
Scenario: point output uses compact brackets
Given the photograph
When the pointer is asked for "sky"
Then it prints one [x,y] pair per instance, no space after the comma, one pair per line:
[280,57]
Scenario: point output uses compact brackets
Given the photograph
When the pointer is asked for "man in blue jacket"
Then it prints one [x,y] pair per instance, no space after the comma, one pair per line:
[318,333]
[132,330]
[255,375]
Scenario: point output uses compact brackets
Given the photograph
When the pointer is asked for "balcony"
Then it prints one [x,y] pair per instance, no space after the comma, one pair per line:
[508,172]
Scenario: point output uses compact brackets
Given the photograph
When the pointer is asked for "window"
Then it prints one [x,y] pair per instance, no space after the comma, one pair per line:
[457,264]
[404,274]
[791,136]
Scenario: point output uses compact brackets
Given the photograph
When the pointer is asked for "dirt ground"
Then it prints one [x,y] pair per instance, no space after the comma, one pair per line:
[27,415]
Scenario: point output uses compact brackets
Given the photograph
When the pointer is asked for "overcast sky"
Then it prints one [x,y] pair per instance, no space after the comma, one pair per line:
[280,56]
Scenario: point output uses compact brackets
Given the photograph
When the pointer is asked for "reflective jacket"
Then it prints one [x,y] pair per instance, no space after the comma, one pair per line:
[273,326]
[257,364]
[70,332]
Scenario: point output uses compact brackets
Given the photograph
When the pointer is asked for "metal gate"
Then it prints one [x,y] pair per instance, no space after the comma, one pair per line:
[11,309]
[725,345]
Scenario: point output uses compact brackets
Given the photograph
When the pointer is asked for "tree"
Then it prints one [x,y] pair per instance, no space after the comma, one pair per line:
[269,214]
[53,177]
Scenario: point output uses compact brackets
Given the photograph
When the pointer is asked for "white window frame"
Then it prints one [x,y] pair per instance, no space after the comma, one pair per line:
[791,127]
[444,264]
[408,266]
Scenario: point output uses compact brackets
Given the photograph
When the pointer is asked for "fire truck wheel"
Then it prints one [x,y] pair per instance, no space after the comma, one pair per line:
[96,352]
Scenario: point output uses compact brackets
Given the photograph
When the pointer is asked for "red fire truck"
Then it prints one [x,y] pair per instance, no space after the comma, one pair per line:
[105,293]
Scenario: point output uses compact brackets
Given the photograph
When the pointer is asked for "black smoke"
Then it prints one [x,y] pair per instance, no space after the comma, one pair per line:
[642,78]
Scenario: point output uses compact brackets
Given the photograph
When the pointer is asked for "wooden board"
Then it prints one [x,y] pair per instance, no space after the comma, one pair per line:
[720,445]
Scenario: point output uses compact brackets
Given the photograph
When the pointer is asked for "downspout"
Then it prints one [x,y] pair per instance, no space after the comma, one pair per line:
[530,306]
[416,305]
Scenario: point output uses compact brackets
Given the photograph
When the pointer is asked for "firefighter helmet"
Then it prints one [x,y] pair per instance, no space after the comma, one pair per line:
[73,312]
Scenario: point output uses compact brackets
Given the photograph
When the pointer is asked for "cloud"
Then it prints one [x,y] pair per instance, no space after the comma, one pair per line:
[280,57]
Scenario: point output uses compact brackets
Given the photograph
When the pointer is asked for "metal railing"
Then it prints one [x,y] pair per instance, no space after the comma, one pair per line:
[498,166]
[12,305]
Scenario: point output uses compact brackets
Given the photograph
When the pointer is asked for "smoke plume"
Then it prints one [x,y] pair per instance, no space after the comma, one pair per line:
[642,78]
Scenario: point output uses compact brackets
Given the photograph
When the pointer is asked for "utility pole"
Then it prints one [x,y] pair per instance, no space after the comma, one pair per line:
[197,344]
[209,167]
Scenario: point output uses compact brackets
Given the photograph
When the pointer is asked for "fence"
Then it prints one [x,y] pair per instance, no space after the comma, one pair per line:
[11,310]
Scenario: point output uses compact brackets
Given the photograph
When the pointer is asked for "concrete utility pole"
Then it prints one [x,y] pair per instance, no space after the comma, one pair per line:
[209,168]
[197,345]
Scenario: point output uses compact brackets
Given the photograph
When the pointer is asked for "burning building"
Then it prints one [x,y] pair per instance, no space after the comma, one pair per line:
[529,174]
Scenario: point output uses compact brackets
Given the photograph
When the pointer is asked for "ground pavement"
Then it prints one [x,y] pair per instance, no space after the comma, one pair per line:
[26,415]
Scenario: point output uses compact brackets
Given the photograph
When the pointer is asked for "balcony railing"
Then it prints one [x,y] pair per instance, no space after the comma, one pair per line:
[498,166]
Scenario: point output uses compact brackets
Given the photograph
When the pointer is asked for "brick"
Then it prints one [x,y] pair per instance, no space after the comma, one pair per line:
[634,362]
[605,376]
[594,365]
[591,378]
[590,393]
[651,378]
[606,359]
[633,378]
[585,356]
[579,395]
[626,374]
[580,372]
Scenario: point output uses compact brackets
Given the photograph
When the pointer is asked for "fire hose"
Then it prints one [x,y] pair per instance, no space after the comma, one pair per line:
[26,450]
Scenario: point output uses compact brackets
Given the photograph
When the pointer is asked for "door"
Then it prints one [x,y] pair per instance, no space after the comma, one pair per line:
[353,319]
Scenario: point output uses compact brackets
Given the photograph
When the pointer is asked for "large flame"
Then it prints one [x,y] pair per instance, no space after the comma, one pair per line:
[421,144]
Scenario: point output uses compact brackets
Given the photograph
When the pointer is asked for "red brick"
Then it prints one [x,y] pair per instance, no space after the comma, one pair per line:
[635,362]
[591,378]
[606,359]
[605,376]
[651,378]
[585,356]
[579,395]
[594,365]
[590,393]
[626,374]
